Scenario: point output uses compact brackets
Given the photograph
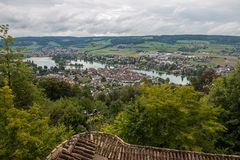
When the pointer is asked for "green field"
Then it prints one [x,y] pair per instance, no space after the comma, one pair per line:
[132,46]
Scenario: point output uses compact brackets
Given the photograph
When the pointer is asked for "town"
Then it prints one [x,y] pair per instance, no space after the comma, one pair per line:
[109,71]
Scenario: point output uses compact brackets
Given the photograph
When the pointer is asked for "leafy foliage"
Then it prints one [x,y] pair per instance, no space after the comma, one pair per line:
[25,134]
[77,114]
[55,88]
[225,93]
[16,73]
[169,116]
[203,82]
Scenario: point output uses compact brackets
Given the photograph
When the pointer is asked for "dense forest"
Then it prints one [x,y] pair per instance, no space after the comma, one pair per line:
[36,114]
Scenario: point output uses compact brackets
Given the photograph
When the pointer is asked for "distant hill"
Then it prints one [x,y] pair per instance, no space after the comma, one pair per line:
[133,44]
[65,41]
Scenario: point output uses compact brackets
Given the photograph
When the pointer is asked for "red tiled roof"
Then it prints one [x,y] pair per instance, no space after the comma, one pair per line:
[104,146]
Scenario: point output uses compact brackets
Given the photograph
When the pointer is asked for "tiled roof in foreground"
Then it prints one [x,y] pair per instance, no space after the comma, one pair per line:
[103,146]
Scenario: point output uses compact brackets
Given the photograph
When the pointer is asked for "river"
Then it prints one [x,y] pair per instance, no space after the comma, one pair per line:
[47,61]
[85,64]
[42,61]
[172,78]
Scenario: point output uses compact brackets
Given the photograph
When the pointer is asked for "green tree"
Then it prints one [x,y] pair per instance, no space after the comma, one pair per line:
[25,91]
[6,102]
[18,76]
[25,134]
[8,55]
[204,80]
[225,93]
[169,116]
[79,114]
[69,112]
[55,88]
[116,107]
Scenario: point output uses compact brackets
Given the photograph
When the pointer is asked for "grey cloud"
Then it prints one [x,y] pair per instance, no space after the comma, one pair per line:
[125,17]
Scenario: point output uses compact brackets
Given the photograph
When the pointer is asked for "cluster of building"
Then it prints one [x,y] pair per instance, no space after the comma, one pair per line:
[223,69]
[62,76]
[120,75]
[103,79]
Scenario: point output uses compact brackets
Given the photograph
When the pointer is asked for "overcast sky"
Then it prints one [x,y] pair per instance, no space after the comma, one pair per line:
[120,17]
